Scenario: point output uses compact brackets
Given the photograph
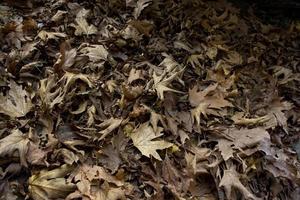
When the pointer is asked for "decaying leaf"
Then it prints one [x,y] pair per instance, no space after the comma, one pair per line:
[51,184]
[16,103]
[143,137]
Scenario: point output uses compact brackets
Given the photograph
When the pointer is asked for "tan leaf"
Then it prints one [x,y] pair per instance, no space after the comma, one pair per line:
[15,145]
[80,109]
[140,6]
[135,74]
[51,184]
[172,70]
[16,103]
[95,53]
[83,28]
[231,180]
[239,119]
[143,140]
[109,126]
[45,36]
[59,15]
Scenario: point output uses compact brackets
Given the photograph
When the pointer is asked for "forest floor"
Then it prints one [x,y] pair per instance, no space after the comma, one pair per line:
[148,99]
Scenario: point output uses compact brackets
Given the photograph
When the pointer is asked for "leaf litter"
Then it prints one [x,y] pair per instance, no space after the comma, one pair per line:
[142,99]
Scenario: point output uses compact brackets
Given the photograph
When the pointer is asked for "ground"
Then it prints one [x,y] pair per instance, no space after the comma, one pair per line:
[143,99]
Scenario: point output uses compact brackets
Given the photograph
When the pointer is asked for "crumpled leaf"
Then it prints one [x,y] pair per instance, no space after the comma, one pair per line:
[51,184]
[17,101]
[143,137]
[15,145]
[140,6]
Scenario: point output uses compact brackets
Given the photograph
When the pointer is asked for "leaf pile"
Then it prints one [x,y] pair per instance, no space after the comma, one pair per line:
[144,99]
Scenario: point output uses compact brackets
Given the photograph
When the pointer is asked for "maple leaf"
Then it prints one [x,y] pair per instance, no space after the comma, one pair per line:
[143,140]
[171,71]
[51,184]
[161,84]
[16,103]
[140,6]
[95,53]
[83,27]
[15,145]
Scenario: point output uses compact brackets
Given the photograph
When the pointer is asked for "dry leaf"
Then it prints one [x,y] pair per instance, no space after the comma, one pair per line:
[15,145]
[230,181]
[51,184]
[95,53]
[83,28]
[143,137]
[16,103]
[140,6]
[45,36]
[109,126]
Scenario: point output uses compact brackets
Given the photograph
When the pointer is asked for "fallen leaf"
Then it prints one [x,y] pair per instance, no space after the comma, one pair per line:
[140,6]
[15,145]
[51,184]
[16,103]
[109,126]
[95,53]
[230,181]
[142,139]
[83,28]
[45,36]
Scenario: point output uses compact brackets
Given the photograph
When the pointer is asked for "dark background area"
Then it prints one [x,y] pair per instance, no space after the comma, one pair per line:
[276,12]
